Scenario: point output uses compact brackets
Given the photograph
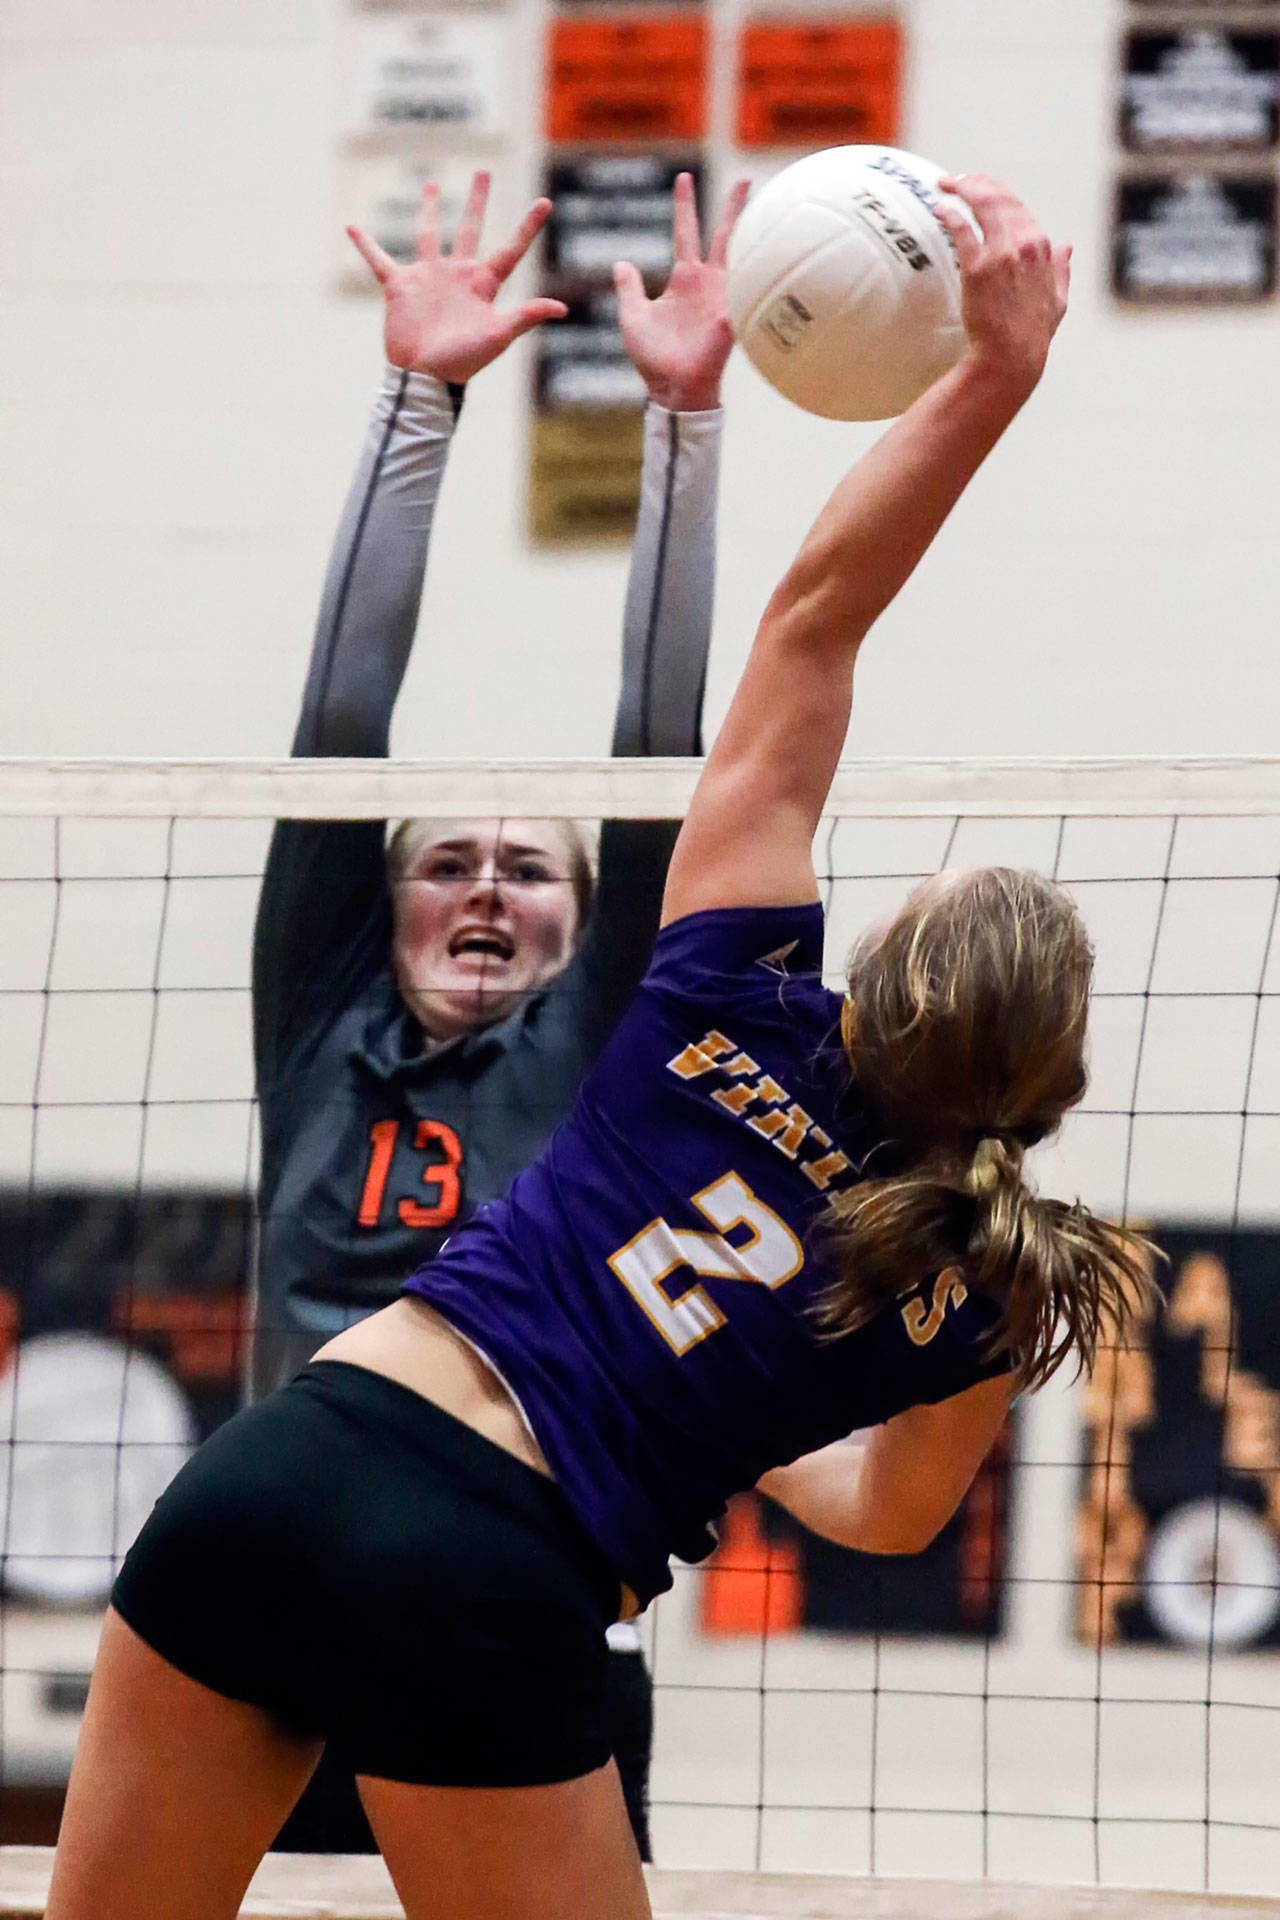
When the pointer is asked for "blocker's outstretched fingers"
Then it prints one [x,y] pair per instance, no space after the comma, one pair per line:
[686,240]
[380,264]
[467,239]
[629,285]
[531,314]
[1062,271]
[504,260]
[733,206]
[428,234]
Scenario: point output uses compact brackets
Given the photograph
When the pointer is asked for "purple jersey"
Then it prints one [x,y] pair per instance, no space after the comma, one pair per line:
[646,1288]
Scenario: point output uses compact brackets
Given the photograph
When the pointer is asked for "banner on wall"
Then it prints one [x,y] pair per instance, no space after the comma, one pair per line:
[427,72]
[618,76]
[770,1575]
[611,206]
[818,82]
[588,398]
[1199,236]
[1200,87]
[1178,1517]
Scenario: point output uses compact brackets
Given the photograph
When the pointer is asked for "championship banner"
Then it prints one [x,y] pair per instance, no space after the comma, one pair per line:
[615,76]
[819,83]
[588,398]
[1200,88]
[1178,1521]
[610,206]
[435,73]
[1202,236]
[770,1575]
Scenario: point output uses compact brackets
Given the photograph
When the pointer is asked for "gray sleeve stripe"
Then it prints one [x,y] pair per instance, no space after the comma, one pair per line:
[659,579]
[353,554]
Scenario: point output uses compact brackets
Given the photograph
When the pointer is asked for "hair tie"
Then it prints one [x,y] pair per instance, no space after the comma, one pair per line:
[993,1153]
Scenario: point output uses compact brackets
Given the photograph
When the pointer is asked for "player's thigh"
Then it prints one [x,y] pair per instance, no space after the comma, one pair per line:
[510,1853]
[175,1792]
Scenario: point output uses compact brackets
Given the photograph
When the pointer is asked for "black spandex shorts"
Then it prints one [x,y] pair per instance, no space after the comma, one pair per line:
[370,1570]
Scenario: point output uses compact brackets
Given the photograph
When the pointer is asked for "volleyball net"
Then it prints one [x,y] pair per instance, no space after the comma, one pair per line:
[1079,1681]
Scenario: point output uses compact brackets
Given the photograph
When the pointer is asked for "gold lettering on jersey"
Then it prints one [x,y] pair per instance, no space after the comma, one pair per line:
[921,1322]
[777,1117]
[786,1130]
[701,1057]
[736,1098]
[823,1172]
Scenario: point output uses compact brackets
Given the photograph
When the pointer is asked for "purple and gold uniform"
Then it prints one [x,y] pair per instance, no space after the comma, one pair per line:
[646,1288]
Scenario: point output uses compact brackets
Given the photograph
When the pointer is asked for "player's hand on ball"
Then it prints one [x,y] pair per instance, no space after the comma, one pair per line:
[679,342]
[1015,280]
[440,317]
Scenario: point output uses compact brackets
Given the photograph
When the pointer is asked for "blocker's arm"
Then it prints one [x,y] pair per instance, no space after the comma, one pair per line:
[748,835]
[665,640]
[679,344]
[892,1490]
[373,588]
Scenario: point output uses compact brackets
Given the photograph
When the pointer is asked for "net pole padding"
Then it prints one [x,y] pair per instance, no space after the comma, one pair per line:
[308,1886]
[622,789]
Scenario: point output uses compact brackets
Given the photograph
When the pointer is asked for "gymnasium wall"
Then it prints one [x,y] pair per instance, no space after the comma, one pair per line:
[183,393]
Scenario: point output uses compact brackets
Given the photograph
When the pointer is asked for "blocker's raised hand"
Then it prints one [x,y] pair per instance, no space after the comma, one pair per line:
[679,342]
[1015,280]
[440,317]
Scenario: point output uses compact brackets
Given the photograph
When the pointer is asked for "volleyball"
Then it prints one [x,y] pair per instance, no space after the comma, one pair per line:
[843,288]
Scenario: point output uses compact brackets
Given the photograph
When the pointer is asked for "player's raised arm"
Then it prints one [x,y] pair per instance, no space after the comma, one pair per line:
[441,326]
[749,831]
[679,343]
[322,908]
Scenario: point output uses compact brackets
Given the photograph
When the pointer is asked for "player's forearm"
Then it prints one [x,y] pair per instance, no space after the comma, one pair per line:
[671,589]
[883,517]
[835,1493]
[373,587]
[820,1490]
[831,1494]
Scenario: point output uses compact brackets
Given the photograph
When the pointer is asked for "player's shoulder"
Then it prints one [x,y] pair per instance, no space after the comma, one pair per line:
[721,950]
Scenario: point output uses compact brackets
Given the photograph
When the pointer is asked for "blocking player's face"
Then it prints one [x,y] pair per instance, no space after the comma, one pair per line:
[485,912]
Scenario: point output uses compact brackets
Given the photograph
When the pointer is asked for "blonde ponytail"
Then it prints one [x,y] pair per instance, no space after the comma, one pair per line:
[965,1027]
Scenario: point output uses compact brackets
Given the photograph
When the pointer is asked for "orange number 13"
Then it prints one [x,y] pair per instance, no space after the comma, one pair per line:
[440,1174]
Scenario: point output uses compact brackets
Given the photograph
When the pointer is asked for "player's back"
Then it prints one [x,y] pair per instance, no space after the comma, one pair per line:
[647,1288]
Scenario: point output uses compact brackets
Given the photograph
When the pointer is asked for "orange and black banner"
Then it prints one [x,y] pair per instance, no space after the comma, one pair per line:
[616,76]
[819,82]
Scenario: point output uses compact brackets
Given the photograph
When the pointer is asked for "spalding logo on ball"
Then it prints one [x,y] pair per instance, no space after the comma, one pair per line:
[843,288]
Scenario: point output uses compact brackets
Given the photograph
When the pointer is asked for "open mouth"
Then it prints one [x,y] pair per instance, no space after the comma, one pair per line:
[487,942]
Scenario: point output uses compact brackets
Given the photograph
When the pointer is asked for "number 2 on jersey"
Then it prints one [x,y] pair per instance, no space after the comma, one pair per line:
[770,1255]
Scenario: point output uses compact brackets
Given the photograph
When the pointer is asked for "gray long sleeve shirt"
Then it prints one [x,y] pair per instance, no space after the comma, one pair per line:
[374,1143]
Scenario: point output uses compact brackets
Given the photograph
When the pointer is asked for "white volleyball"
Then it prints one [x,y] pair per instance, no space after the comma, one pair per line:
[843,287]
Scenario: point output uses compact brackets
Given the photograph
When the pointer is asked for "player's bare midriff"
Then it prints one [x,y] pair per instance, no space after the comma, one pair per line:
[411,1343]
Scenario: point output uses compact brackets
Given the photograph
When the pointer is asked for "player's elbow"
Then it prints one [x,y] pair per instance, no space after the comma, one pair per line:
[900,1532]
